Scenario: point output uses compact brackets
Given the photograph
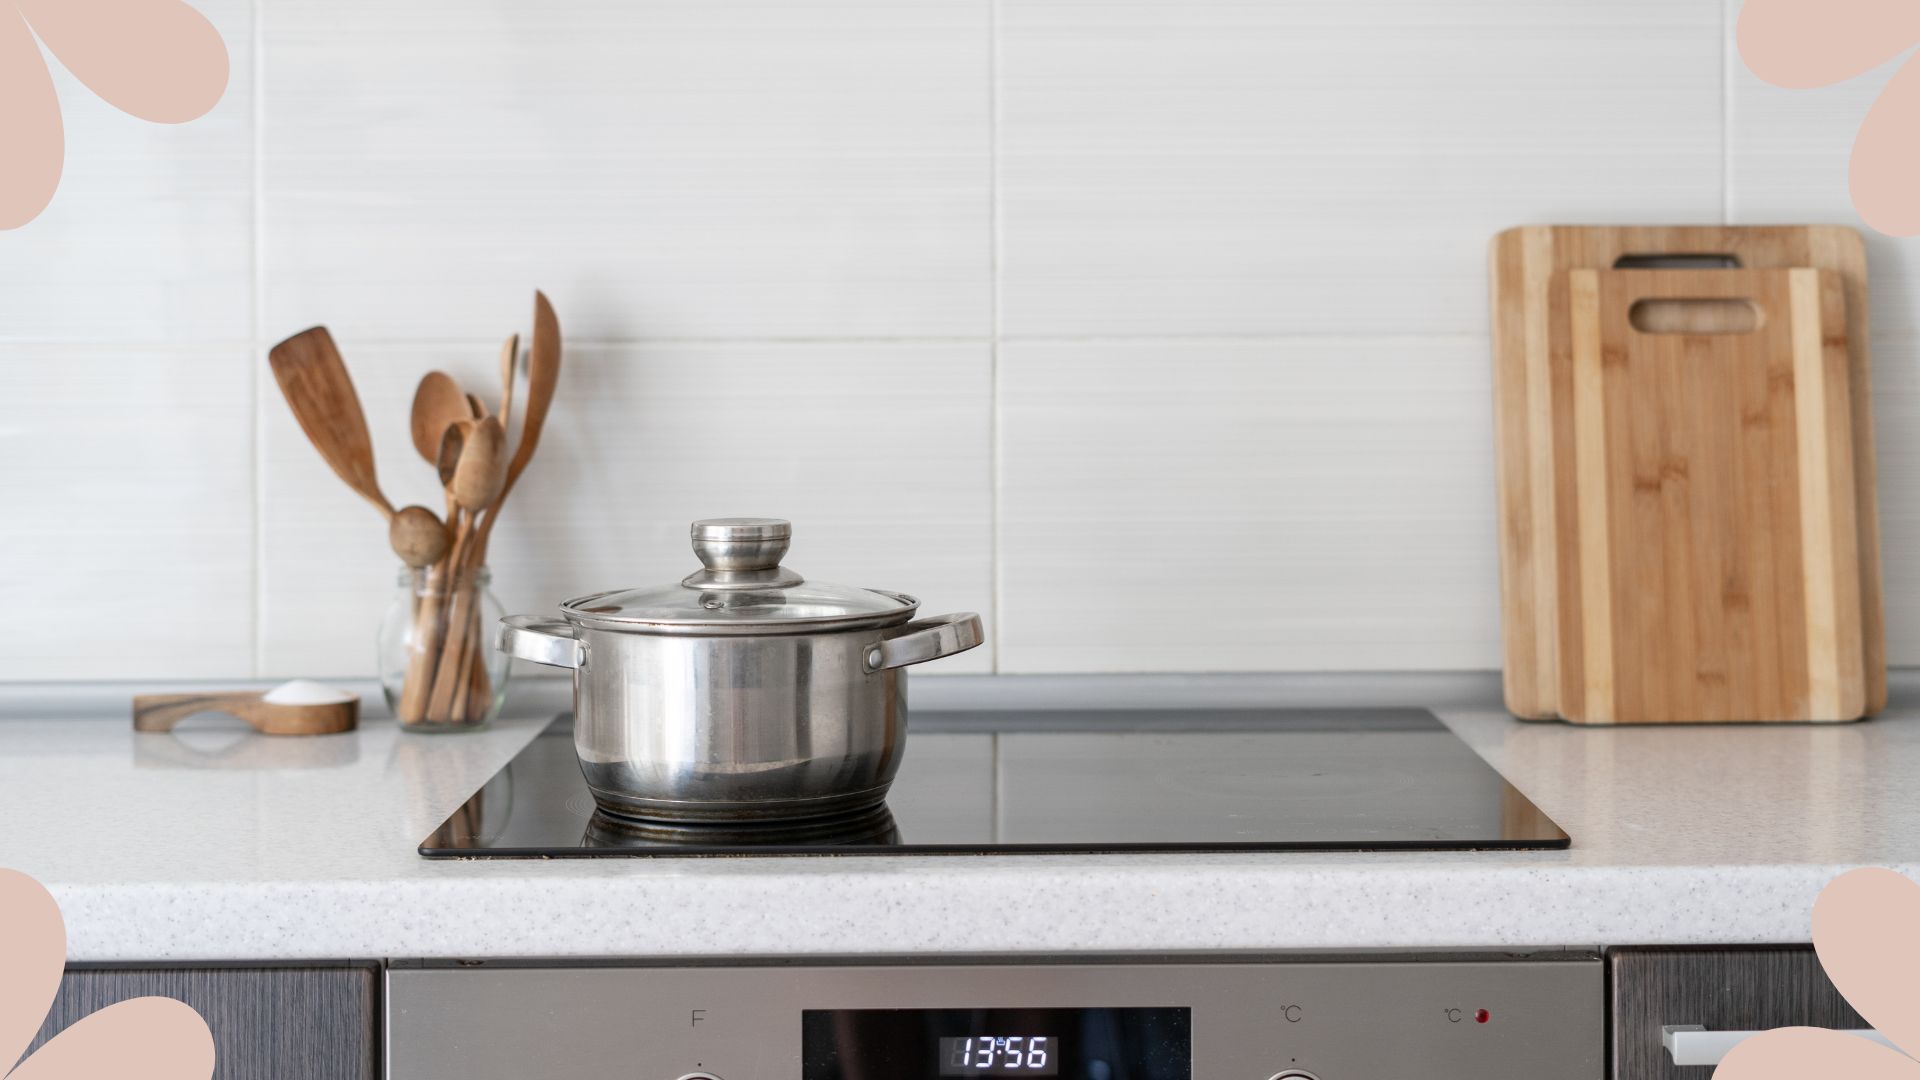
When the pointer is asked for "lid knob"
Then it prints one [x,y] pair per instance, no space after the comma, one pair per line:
[741,543]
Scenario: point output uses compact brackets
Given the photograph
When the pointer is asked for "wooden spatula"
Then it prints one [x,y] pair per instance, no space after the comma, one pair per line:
[317,387]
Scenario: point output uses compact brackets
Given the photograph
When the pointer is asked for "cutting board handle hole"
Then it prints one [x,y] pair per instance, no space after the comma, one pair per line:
[1703,260]
[1694,316]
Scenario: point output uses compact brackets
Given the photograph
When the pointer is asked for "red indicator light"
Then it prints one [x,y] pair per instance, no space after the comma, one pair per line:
[1481,1016]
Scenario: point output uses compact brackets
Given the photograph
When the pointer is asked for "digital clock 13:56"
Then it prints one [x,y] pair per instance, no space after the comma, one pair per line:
[999,1055]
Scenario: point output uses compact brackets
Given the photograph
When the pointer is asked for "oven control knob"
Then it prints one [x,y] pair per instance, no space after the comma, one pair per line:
[1294,1074]
[699,1076]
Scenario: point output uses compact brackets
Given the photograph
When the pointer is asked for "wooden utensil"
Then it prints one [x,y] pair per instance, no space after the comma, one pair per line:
[543,374]
[1705,497]
[437,403]
[1523,262]
[446,460]
[481,470]
[476,482]
[160,712]
[509,363]
[418,536]
[316,385]
[446,681]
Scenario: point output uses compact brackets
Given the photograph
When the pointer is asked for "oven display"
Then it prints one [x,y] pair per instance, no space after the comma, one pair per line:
[999,1055]
[937,1044]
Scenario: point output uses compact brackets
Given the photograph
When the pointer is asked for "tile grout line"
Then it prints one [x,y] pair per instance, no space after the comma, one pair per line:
[256,67]
[995,466]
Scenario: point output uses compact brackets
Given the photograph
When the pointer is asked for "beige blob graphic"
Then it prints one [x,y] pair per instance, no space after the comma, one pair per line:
[159,60]
[1866,928]
[1799,44]
[149,1037]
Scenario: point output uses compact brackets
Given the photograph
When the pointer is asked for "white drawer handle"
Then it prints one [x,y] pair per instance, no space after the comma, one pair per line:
[1691,1044]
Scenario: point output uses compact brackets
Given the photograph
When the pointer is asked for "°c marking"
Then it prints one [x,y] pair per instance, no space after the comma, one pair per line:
[1292,1013]
[1454,1016]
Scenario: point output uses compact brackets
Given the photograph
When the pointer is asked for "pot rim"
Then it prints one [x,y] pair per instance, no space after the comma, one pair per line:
[571,610]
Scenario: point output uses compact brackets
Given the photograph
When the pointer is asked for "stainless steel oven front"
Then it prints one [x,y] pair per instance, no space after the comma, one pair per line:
[1537,1016]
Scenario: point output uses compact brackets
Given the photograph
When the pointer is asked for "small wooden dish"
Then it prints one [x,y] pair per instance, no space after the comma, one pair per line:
[160,712]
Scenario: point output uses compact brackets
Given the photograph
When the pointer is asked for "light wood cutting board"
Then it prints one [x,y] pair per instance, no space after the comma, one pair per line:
[1523,262]
[1705,497]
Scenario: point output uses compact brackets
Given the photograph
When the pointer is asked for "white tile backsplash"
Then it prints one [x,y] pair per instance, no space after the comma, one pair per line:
[676,168]
[878,452]
[1247,506]
[127,548]
[1245,167]
[1896,430]
[1152,329]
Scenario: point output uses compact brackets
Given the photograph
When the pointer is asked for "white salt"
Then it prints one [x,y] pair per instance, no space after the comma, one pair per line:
[306,692]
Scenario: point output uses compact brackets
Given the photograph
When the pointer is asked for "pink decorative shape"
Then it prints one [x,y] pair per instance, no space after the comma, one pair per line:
[153,1037]
[33,951]
[1806,43]
[1799,44]
[32,142]
[157,59]
[1866,928]
[1884,174]
[1810,1053]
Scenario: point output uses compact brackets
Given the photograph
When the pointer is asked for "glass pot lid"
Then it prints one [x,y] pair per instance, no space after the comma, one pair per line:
[742,589]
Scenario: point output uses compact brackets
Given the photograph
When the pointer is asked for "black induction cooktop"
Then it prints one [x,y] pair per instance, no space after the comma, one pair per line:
[1060,781]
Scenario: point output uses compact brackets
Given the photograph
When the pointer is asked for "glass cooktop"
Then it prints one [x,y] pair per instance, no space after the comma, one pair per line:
[1011,782]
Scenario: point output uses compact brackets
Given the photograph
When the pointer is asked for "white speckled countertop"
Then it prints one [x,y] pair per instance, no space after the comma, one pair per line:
[227,845]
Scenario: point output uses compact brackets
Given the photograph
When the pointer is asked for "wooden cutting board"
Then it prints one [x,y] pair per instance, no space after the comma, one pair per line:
[1523,262]
[1704,497]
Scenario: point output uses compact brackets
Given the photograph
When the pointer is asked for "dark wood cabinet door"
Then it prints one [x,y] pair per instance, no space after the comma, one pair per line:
[284,1023]
[1736,989]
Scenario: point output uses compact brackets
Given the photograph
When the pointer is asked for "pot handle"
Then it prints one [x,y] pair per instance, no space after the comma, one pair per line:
[542,639]
[926,639]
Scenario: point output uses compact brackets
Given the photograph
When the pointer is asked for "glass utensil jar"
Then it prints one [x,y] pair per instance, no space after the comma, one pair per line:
[438,666]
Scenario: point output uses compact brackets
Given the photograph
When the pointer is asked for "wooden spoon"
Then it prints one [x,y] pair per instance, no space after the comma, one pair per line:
[509,365]
[480,472]
[315,382]
[417,536]
[450,695]
[543,374]
[475,407]
[437,403]
[160,712]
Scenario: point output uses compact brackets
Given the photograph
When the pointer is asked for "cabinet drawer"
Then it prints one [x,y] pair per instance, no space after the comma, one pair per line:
[289,1023]
[1733,989]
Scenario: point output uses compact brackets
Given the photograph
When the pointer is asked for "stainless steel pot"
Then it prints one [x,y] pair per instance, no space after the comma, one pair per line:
[744,690]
